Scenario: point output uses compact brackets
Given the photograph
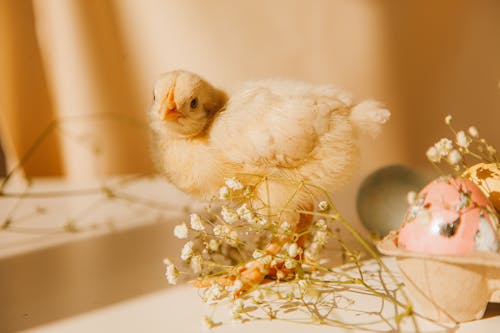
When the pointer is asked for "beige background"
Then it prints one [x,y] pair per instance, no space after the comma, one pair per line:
[92,64]
[62,59]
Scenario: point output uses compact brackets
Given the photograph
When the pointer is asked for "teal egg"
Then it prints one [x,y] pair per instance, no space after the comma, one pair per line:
[381,201]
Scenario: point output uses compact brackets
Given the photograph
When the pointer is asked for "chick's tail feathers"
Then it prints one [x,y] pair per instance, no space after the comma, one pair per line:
[369,116]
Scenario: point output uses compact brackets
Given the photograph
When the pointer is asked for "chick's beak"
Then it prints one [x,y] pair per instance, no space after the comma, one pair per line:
[168,109]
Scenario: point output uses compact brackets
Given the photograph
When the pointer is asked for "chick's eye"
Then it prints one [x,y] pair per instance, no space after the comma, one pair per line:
[194,103]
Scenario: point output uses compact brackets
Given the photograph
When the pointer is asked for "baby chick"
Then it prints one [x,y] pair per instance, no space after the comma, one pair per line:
[273,128]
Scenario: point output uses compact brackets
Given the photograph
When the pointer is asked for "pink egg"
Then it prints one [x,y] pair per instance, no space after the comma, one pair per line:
[450,216]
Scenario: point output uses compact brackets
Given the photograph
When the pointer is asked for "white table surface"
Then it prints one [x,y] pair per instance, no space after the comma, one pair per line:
[179,309]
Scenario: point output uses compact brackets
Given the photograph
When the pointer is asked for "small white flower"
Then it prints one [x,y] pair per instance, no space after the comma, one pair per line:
[444,146]
[233,238]
[411,197]
[293,250]
[223,193]
[234,184]
[259,220]
[181,231]
[214,293]
[187,251]
[257,254]
[311,253]
[237,286]
[303,285]
[321,224]
[214,245]
[320,238]
[171,273]
[290,264]
[218,230]
[454,157]
[323,206]
[196,223]
[280,275]
[433,154]
[245,213]
[196,264]
[462,139]
[266,260]
[473,132]
[285,226]
[447,119]
[228,215]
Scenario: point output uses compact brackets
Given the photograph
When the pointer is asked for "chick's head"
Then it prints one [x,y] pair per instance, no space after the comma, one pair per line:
[184,103]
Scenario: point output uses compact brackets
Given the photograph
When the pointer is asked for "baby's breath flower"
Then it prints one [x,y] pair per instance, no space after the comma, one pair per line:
[473,132]
[187,251]
[223,193]
[290,264]
[233,184]
[303,285]
[196,223]
[462,139]
[285,226]
[266,259]
[181,231]
[433,155]
[454,157]
[444,146]
[411,197]
[320,237]
[311,253]
[171,273]
[321,224]
[214,293]
[214,245]
[233,238]
[245,213]
[257,254]
[247,192]
[228,215]
[293,250]
[196,263]
[217,230]
[447,119]
[237,286]
[323,206]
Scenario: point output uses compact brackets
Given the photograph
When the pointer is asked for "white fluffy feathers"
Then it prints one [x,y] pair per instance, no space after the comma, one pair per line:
[273,127]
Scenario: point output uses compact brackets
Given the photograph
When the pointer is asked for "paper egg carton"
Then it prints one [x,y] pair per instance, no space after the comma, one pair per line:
[447,288]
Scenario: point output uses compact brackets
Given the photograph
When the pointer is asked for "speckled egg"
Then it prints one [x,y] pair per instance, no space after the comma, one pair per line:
[450,216]
[487,177]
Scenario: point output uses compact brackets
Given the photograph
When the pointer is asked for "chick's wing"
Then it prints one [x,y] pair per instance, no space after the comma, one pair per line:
[276,123]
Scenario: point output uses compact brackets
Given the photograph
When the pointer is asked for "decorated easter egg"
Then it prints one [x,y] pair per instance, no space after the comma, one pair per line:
[450,216]
[487,177]
[381,199]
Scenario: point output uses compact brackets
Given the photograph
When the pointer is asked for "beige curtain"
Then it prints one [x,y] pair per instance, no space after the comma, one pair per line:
[91,64]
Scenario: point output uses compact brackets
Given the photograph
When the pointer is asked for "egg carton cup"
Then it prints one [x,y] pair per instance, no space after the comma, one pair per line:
[447,288]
